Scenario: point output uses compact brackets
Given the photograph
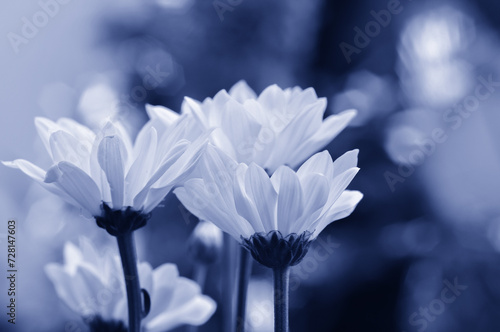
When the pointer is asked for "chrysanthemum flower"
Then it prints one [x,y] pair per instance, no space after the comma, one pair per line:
[274,217]
[88,283]
[108,175]
[278,127]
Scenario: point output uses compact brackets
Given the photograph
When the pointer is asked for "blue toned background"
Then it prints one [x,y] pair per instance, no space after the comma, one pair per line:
[421,251]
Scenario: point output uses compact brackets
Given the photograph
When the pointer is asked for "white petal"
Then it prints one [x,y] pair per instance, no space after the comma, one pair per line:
[164,279]
[187,306]
[340,183]
[330,128]
[45,128]
[76,129]
[111,161]
[142,166]
[347,161]
[261,191]
[291,137]
[342,208]
[320,163]
[155,196]
[316,190]
[63,284]
[27,168]
[241,91]
[164,172]
[272,99]
[241,128]
[290,200]
[193,107]
[301,99]
[218,171]
[244,204]
[73,257]
[65,147]
[77,184]
[181,167]
[162,113]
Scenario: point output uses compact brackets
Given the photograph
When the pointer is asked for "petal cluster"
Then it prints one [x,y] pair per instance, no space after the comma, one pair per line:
[278,127]
[91,284]
[243,200]
[91,168]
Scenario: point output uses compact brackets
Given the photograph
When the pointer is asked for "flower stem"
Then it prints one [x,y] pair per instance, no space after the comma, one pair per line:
[126,246]
[281,284]
[243,279]
[228,281]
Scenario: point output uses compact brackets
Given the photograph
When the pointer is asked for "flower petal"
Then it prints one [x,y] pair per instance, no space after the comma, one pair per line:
[45,128]
[28,168]
[66,147]
[320,163]
[330,128]
[342,208]
[261,191]
[183,304]
[165,114]
[290,200]
[142,166]
[242,130]
[241,91]
[77,184]
[111,161]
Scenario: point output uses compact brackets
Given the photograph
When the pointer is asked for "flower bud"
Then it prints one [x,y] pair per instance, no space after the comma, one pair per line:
[205,243]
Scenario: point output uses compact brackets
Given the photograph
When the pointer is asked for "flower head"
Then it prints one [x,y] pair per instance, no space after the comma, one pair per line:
[278,127]
[106,169]
[244,201]
[89,283]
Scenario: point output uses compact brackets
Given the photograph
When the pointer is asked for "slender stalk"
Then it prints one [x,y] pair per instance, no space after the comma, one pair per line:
[200,275]
[126,246]
[228,268]
[281,285]
[243,279]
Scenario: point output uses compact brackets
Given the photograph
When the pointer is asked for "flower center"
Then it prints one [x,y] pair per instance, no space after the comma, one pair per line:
[276,251]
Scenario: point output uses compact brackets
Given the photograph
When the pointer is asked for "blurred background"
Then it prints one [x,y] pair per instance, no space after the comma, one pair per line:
[421,251]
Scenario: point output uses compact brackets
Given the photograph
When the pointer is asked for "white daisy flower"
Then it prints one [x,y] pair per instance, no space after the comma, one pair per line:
[278,127]
[87,283]
[287,210]
[105,171]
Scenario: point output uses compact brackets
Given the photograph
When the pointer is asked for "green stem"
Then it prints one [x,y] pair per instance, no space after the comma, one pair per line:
[281,285]
[243,279]
[126,246]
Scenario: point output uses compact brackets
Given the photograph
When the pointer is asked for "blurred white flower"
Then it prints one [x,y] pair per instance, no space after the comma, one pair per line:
[88,282]
[91,168]
[243,200]
[278,127]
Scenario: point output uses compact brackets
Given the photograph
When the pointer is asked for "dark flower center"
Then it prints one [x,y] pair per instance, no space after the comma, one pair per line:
[120,222]
[276,251]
